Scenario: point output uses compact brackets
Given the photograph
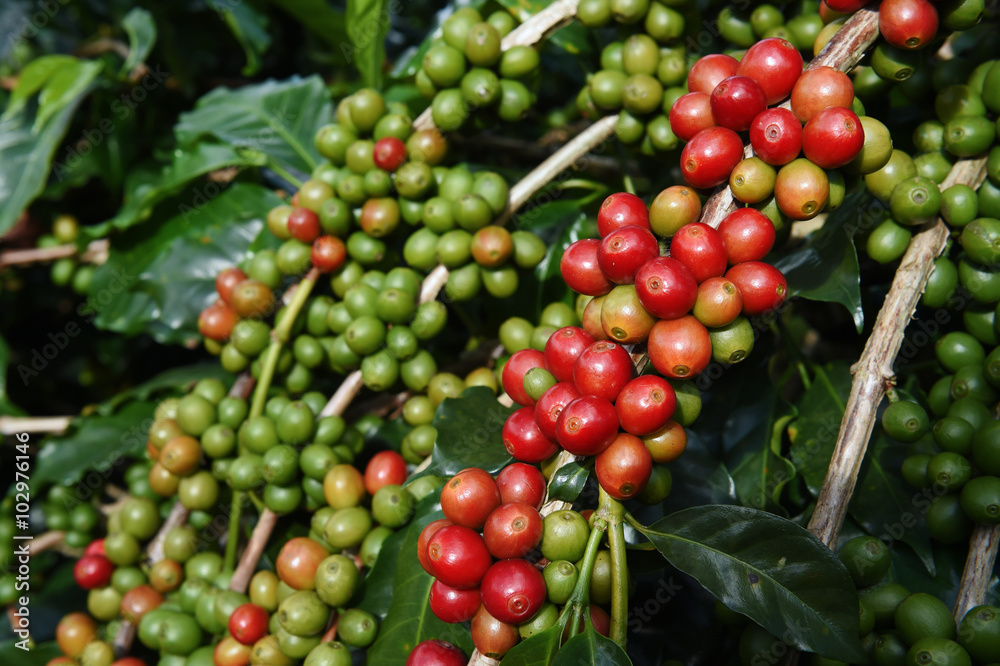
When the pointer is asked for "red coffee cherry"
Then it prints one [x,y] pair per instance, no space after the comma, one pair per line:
[452,605]
[620,210]
[512,530]
[469,497]
[679,348]
[666,288]
[736,101]
[587,426]
[710,70]
[819,88]
[580,270]
[424,539]
[303,225]
[646,404]
[458,557]
[248,623]
[907,24]
[700,248]
[433,652]
[523,438]
[389,153]
[328,253]
[513,591]
[227,279]
[551,404]
[763,286]
[747,234]
[776,136]
[385,468]
[517,366]
[833,137]
[562,349]
[603,369]
[623,468]
[521,483]
[93,571]
[691,113]
[623,252]
[710,156]
[773,63]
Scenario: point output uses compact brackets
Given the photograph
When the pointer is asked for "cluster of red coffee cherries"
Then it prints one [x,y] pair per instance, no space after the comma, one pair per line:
[476,553]
[906,24]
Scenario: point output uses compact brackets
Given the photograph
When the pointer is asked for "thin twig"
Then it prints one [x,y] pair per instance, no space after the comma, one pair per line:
[46,541]
[874,369]
[258,541]
[12,425]
[96,253]
[983,547]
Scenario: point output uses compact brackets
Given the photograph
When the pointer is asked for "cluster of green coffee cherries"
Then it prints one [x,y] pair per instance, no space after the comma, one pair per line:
[466,73]
[67,271]
[964,127]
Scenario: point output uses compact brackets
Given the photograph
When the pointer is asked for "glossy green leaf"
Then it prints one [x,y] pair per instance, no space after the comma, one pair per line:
[277,119]
[885,505]
[6,406]
[769,569]
[826,267]
[538,650]
[249,27]
[320,17]
[590,647]
[367,25]
[96,442]
[146,189]
[31,130]
[568,481]
[410,620]
[159,276]
[141,30]
[468,430]
[814,432]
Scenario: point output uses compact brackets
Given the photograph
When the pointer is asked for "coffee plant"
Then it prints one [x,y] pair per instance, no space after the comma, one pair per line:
[499,332]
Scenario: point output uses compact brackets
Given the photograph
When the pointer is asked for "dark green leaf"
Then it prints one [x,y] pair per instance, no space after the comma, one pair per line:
[410,620]
[568,481]
[539,650]
[367,25]
[277,119]
[146,189]
[6,406]
[814,432]
[94,442]
[826,267]
[250,29]
[32,131]
[468,430]
[159,276]
[37,656]
[590,647]
[884,505]
[769,569]
[141,30]
[320,17]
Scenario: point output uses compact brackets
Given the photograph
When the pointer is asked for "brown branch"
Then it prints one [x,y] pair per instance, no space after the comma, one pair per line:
[46,541]
[874,369]
[479,659]
[11,425]
[96,253]
[258,541]
[983,548]
[842,52]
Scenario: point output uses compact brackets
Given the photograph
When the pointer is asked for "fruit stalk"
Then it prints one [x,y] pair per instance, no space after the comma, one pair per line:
[842,52]
[873,370]
[96,253]
[613,512]
[983,547]
[532,31]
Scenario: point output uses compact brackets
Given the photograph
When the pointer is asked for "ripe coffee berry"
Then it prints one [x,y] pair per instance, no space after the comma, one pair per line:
[645,404]
[776,136]
[328,253]
[700,248]
[389,153]
[623,468]
[248,623]
[819,88]
[763,286]
[227,279]
[515,369]
[513,591]
[775,64]
[736,101]
[436,653]
[833,137]
[458,557]
[580,270]
[710,156]
[512,530]
[469,497]
[691,113]
[521,483]
[603,369]
[303,225]
[621,209]
[719,302]
[549,406]
[666,288]
[747,235]
[93,571]
[710,70]
[385,468]
[623,252]
[492,637]
[907,24]
[95,547]
[679,348]
[452,605]
[562,349]
[216,322]
[524,439]
[587,426]
[424,539]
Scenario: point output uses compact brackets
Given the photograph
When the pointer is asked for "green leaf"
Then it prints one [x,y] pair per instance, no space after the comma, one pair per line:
[31,132]
[769,569]
[568,481]
[96,442]
[7,407]
[826,267]
[885,506]
[159,276]
[538,650]
[249,27]
[410,620]
[277,119]
[468,430]
[367,24]
[589,647]
[146,189]
[814,432]
[39,655]
[320,17]
[141,30]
